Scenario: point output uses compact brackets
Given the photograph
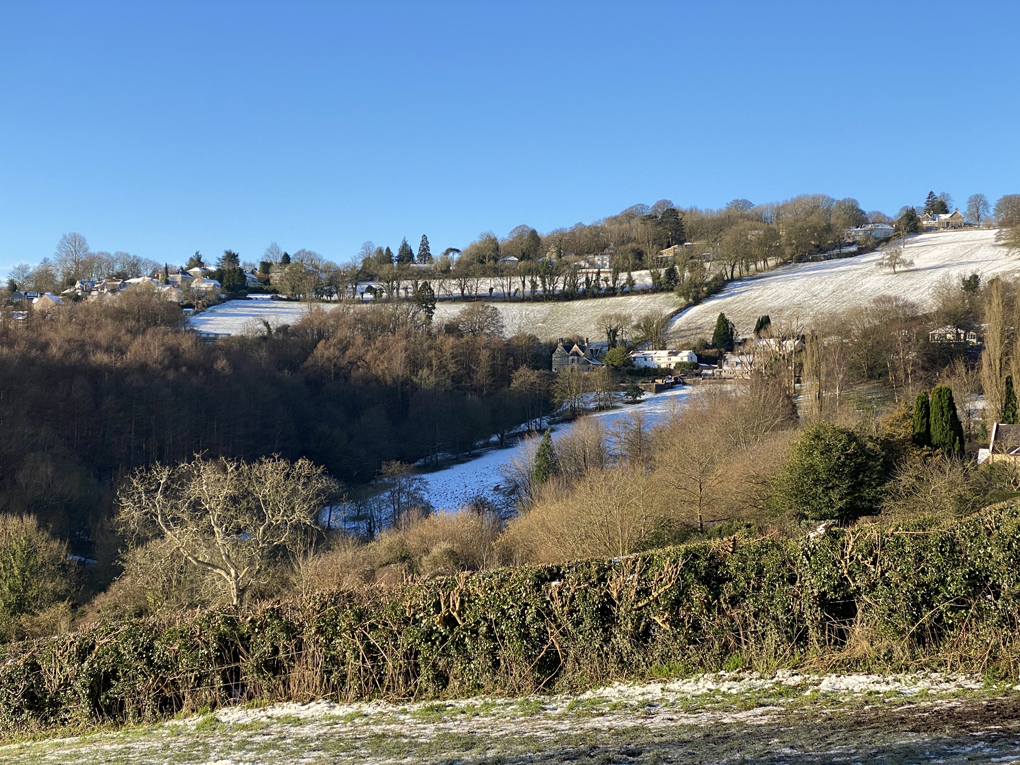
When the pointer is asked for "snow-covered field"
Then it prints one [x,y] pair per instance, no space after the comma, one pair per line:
[800,294]
[235,317]
[785,717]
[550,321]
[453,487]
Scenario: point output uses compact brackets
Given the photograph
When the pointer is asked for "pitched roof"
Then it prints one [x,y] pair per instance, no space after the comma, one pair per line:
[1005,439]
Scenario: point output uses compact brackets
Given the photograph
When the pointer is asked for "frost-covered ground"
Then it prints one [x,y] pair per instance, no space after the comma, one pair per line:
[727,717]
[548,321]
[453,487]
[235,317]
[800,294]
[553,320]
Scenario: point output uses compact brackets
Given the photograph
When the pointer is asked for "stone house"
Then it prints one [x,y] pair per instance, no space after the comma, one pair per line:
[579,355]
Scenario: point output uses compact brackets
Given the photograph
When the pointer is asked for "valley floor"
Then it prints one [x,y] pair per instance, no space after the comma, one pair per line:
[785,718]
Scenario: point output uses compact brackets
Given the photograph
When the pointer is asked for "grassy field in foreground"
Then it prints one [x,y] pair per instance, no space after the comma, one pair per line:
[710,718]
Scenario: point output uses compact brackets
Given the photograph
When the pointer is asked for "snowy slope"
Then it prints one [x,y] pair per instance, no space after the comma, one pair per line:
[236,316]
[550,321]
[799,294]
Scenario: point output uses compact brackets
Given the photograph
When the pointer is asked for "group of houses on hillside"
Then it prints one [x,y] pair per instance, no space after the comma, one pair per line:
[178,287]
[748,355]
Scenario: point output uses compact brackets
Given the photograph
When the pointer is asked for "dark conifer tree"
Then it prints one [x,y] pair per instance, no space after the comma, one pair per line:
[922,419]
[405,254]
[946,430]
[546,463]
[1009,410]
[723,336]
[424,253]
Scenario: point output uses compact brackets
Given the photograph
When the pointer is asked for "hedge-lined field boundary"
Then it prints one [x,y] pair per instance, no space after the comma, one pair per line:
[887,597]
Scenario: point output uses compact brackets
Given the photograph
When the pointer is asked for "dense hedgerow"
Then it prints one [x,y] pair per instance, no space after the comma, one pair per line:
[925,594]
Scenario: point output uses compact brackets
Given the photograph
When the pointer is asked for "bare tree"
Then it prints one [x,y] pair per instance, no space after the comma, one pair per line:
[480,319]
[690,457]
[614,324]
[230,518]
[273,253]
[893,258]
[72,249]
[978,208]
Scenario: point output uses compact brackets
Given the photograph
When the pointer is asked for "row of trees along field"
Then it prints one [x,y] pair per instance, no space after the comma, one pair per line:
[740,238]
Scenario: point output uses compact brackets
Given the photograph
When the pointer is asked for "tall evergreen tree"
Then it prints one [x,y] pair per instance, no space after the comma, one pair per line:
[922,419]
[946,430]
[930,202]
[723,336]
[425,299]
[1009,410]
[387,256]
[546,462]
[405,254]
[424,253]
[229,259]
[763,326]
[285,259]
[908,222]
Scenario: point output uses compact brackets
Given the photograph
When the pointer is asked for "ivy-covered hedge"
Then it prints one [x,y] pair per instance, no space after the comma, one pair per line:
[926,594]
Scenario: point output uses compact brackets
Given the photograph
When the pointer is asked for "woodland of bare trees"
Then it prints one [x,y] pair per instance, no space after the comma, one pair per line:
[91,392]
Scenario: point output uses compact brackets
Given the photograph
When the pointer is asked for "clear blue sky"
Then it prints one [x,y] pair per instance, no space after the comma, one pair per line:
[165,128]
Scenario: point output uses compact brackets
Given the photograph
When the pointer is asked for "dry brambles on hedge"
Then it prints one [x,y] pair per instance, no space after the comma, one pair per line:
[896,597]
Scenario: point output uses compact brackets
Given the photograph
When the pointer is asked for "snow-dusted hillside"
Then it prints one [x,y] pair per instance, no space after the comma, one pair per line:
[236,316]
[799,294]
[549,321]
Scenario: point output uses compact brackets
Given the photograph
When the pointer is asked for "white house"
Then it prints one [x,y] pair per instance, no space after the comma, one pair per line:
[950,334]
[870,231]
[204,285]
[737,365]
[663,359]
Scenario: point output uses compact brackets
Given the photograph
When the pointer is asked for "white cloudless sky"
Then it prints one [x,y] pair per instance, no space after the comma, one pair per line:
[165,128]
